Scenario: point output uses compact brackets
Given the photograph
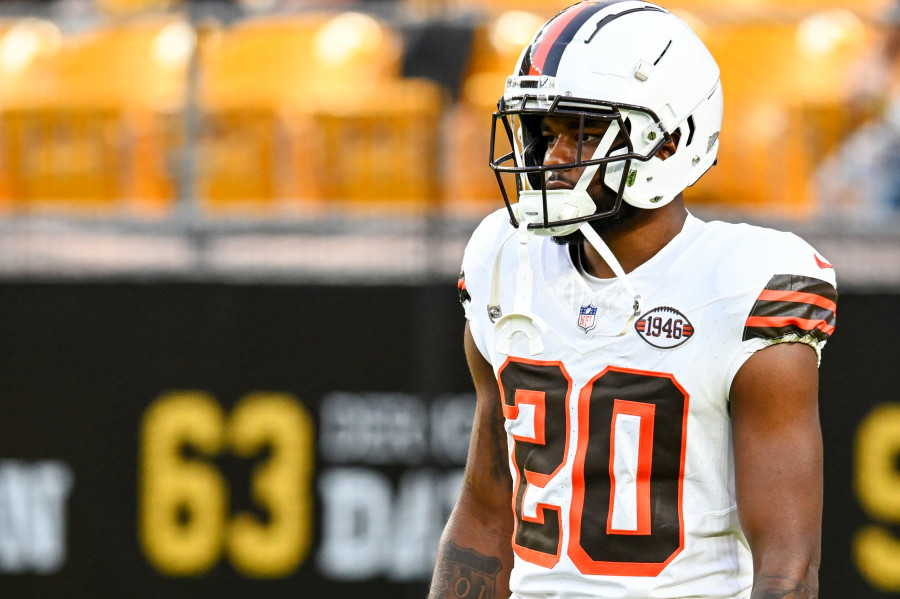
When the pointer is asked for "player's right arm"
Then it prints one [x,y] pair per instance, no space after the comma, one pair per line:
[475,554]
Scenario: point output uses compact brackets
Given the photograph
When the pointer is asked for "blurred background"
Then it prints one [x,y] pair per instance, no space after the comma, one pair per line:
[231,359]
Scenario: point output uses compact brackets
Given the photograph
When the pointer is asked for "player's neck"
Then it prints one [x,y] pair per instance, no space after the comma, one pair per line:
[638,240]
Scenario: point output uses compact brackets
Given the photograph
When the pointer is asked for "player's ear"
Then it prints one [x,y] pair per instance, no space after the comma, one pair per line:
[670,146]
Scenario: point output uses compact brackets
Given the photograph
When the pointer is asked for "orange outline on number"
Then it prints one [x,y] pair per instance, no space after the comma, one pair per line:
[647,413]
[535,398]
[579,556]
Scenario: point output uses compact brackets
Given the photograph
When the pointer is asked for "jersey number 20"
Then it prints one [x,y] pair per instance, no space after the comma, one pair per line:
[627,470]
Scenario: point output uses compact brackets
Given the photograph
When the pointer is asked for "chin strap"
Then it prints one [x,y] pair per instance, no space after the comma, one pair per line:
[597,242]
[520,320]
[493,307]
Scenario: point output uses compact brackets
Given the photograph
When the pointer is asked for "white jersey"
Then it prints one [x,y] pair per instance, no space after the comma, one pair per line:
[620,446]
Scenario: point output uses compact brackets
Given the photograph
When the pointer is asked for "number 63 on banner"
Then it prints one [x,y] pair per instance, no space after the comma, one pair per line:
[183,503]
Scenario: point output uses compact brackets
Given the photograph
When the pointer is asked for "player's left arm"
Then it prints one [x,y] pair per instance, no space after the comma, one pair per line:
[778,468]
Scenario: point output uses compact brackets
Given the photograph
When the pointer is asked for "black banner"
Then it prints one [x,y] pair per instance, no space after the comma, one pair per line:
[211,440]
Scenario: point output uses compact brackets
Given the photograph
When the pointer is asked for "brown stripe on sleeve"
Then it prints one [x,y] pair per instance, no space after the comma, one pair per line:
[793,304]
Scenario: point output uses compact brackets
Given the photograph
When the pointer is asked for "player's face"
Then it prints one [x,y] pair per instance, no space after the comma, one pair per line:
[561,134]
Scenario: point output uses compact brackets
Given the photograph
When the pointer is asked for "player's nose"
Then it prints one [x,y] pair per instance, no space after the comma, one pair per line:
[563,150]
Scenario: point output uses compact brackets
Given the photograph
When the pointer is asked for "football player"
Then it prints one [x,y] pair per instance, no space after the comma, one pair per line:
[647,420]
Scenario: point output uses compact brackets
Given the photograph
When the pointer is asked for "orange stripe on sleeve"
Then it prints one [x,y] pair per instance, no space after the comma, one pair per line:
[798,296]
[784,321]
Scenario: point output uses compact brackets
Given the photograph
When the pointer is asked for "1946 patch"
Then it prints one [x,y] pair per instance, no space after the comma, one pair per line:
[664,327]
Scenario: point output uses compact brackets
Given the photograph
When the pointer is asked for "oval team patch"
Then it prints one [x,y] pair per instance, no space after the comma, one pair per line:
[664,327]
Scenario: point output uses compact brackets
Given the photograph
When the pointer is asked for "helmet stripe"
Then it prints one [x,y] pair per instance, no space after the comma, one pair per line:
[551,42]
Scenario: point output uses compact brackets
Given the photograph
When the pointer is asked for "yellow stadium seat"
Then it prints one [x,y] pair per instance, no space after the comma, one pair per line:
[274,61]
[315,106]
[381,148]
[781,83]
[97,109]
[22,43]
[60,157]
[238,153]
[496,45]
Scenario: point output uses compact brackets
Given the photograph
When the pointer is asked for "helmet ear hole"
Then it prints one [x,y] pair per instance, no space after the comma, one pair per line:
[669,148]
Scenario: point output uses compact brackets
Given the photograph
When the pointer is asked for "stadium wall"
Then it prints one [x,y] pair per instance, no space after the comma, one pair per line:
[223,440]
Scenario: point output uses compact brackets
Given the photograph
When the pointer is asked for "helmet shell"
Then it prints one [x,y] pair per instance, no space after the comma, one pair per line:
[638,57]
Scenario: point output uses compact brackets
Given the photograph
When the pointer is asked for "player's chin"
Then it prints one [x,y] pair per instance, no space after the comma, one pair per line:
[605,203]
[575,238]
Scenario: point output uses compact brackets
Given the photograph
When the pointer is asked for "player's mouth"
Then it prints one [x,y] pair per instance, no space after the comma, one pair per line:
[555,183]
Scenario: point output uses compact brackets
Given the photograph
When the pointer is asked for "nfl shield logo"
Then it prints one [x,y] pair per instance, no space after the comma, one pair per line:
[587,317]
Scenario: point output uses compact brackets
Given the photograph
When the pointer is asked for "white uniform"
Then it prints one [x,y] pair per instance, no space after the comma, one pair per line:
[620,447]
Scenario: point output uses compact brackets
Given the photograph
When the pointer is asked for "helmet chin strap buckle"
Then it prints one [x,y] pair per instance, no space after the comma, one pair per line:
[562,204]
[511,324]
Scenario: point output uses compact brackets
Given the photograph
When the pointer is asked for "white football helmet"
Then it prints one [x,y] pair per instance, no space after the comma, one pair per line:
[630,63]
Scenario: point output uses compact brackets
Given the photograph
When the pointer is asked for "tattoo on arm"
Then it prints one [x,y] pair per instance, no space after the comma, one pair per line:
[465,574]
